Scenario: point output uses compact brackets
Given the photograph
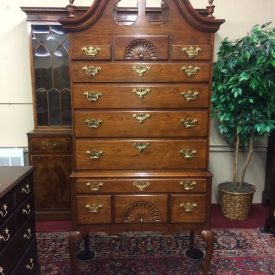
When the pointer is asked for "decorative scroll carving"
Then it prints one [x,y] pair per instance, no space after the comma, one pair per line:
[141,49]
[141,211]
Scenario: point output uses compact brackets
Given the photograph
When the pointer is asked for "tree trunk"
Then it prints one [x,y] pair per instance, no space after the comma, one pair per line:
[235,166]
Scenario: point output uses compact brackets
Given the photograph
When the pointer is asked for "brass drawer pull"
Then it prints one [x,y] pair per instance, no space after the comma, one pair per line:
[94,153]
[189,122]
[94,186]
[92,96]
[141,69]
[51,146]
[94,208]
[190,95]
[26,189]
[190,70]
[91,70]
[141,117]
[141,146]
[191,51]
[2,271]
[28,235]
[188,153]
[93,122]
[90,51]
[188,207]
[141,185]
[188,184]
[142,92]
[30,265]
[5,236]
[4,211]
[26,210]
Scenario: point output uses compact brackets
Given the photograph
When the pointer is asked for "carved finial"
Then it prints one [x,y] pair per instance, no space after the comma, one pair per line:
[71,9]
[210,9]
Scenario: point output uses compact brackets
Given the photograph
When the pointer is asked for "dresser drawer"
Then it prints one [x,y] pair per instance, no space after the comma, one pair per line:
[93,209]
[50,144]
[191,52]
[146,185]
[141,154]
[6,207]
[23,190]
[140,72]
[7,232]
[140,208]
[188,208]
[141,123]
[186,96]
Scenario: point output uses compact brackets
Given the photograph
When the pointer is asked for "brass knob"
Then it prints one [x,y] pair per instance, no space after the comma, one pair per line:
[93,123]
[94,153]
[93,208]
[94,185]
[91,70]
[90,51]
[141,146]
[189,122]
[4,211]
[191,51]
[141,69]
[92,96]
[190,95]
[5,236]
[190,70]
[28,235]
[141,117]
[141,92]
[188,153]
[26,189]
[141,185]
[188,184]
[188,207]
[26,210]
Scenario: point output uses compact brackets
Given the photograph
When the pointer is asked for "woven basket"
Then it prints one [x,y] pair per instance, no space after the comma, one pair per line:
[235,206]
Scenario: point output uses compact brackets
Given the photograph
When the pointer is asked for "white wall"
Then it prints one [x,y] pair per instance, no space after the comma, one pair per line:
[15,84]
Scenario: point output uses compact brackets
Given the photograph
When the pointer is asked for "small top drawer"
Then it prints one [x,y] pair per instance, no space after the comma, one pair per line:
[50,144]
[191,52]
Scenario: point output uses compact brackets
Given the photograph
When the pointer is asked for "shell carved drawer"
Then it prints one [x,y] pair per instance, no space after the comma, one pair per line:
[140,99]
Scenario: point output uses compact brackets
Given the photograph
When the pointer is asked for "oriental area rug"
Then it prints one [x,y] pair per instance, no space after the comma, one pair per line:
[236,252]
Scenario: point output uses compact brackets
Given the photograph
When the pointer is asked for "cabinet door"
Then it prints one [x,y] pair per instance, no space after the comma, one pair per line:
[51,185]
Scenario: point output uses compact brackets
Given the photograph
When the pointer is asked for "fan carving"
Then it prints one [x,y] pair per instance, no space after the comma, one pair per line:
[140,212]
[141,49]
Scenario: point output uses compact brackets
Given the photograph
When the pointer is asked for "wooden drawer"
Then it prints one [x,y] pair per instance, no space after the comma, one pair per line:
[141,123]
[141,47]
[24,211]
[7,232]
[191,52]
[141,154]
[188,208]
[23,190]
[185,96]
[50,144]
[128,72]
[6,207]
[93,209]
[146,185]
[140,208]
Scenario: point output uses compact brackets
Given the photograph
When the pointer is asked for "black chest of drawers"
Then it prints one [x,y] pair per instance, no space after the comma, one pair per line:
[18,253]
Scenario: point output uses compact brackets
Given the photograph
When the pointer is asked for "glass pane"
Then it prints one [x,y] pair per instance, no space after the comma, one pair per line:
[42,107]
[54,107]
[66,109]
[41,32]
[58,34]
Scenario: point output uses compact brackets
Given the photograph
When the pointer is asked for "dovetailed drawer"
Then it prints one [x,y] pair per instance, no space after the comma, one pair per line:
[188,208]
[141,123]
[140,208]
[137,185]
[191,52]
[140,154]
[93,209]
[140,72]
[95,96]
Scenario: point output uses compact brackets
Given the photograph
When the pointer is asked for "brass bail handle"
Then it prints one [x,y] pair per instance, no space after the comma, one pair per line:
[191,51]
[190,70]
[141,117]
[94,185]
[26,189]
[188,184]
[92,95]
[90,51]
[94,153]
[26,210]
[141,146]
[5,236]
[141,185]
[189,207]
[188,153]
[94,208]
[30,265]
[190,95]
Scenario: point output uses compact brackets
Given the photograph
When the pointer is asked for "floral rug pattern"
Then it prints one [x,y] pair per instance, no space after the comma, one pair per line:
[236,252]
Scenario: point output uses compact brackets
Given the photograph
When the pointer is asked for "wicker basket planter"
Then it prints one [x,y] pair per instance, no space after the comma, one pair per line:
[236,206]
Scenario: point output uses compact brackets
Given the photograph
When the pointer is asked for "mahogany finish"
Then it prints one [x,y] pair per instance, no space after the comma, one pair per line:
[140,98]
[18,252]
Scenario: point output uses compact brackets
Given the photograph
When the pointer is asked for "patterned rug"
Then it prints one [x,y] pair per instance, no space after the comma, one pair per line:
[236,252]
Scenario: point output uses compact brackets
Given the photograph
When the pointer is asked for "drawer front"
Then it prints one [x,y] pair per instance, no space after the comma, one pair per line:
[188,208]
[28,264]
[93,209]
[141,47]
[141,154]
[141,123]
[185,96]
[50,144]
[191,52]
[135,185]
[140,72]
[23,190]
[6,206]
[24,211]
[7,232]
[140,209]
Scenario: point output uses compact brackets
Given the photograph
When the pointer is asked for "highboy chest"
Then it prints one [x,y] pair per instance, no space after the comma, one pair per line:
[141,82]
